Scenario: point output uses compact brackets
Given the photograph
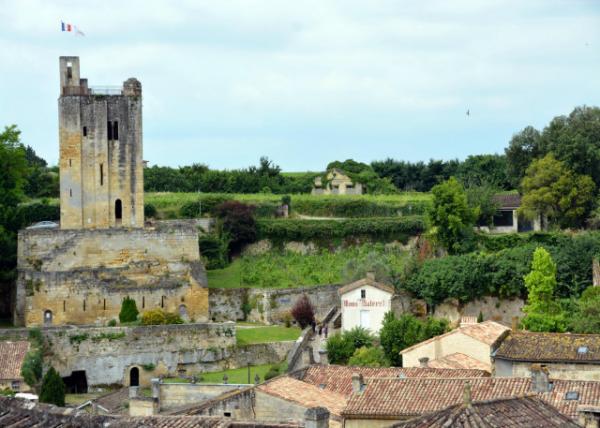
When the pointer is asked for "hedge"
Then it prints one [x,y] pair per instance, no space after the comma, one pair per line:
[350,207]
[386,228]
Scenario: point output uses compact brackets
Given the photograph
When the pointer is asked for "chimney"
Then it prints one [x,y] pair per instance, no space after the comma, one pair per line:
[371,276]
[357,383]
[540,378]
[424,362]
[155,387]
[316,417]
[133,391]
[467,398]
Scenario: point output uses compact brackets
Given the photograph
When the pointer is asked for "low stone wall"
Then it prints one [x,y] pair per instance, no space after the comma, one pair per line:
[269,305]
[174,395]
[108,354]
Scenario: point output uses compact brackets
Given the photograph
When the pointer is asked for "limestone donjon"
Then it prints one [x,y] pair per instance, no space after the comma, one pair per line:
[101,166]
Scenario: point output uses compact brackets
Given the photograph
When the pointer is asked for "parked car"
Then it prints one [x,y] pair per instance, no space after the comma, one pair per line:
[44,225]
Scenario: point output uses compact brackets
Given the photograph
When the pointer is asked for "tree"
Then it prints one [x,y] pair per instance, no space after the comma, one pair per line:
[544,313]
[341,347]
[303,311]
[586,318]
[575,140]
[129,311]
[480,170]
[31,370]
[237,222]
[53,388]
[553,191]
[523,148]
[398,334]
[450,216]
[368,357]
[154,316]
[481,200]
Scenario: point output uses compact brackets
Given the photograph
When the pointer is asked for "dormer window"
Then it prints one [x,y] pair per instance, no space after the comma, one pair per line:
[572,395]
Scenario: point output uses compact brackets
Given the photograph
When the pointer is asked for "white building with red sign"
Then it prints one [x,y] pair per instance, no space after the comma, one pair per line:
[364,304]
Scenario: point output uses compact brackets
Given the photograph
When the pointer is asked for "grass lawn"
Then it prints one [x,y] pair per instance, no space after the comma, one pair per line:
[225,278]
[248,336]
[235,376]
[77,399]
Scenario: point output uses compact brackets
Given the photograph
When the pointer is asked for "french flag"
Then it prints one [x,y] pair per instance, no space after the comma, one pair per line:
[71,28]
[66,27]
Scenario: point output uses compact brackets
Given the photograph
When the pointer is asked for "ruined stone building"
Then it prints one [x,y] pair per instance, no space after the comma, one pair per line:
[103,252]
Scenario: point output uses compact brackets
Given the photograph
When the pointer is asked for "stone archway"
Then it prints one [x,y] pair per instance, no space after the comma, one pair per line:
[47,317]
[183,312]
[134,377]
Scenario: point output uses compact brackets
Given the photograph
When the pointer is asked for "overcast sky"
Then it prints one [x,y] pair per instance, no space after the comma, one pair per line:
[308,82]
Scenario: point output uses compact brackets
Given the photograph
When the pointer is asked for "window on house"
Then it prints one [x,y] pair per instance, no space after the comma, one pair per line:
[15,385]
[572,395]
[101,174]
[363,294]
[115,130]
[109,130]
[85,131]
[227,414]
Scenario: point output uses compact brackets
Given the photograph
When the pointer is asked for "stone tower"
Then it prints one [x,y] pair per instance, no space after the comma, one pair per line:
[101,166]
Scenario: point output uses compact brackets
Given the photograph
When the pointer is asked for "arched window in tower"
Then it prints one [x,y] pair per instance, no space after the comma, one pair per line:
[118,211]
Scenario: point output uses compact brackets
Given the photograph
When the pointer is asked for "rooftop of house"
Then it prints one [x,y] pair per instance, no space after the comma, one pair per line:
[458,361]
[339,378]
[395,398]
[27,414]
[369,280]
[306,395]
[12,355]
[507,202]
[488,332]
[550,347]
[523,412]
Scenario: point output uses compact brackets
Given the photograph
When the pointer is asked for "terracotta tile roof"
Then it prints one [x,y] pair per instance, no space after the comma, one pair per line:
[394,398]
[304,394]
[522,412]
[550,347]
[339,378]
[488,332]
[458,361]
[11,359]
[114,401]
[507,201]
[363,282]
[26,414]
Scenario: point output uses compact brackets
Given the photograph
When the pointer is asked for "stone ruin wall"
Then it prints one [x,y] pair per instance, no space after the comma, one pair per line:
[82,276]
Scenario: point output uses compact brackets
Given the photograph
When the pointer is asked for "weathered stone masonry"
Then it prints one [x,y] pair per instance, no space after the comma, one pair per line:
[81,276]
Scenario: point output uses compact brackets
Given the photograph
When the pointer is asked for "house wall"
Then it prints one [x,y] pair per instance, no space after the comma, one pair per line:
[82,276]
[376,304]
[449,344]
[505,368]
[174,395]
[269,408]
[369,423]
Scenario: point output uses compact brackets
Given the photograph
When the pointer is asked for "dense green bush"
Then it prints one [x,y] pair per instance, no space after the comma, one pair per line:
[341,347]
[213,250]
[157,316]
[389,229]
[28,214]
[501,273]
[129,311]
[53,388]
[368,357]
[400,333]
[150,211]
[335,206]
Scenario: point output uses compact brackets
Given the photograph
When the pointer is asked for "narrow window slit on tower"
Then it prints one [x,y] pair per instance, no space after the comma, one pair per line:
[101,174]
[104,304]
[162,301]
[84,306]
[85,131]
[143,302]
[71,192]
[70,163]
[109,130]
[64,306]
[115,130]
[69,70]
